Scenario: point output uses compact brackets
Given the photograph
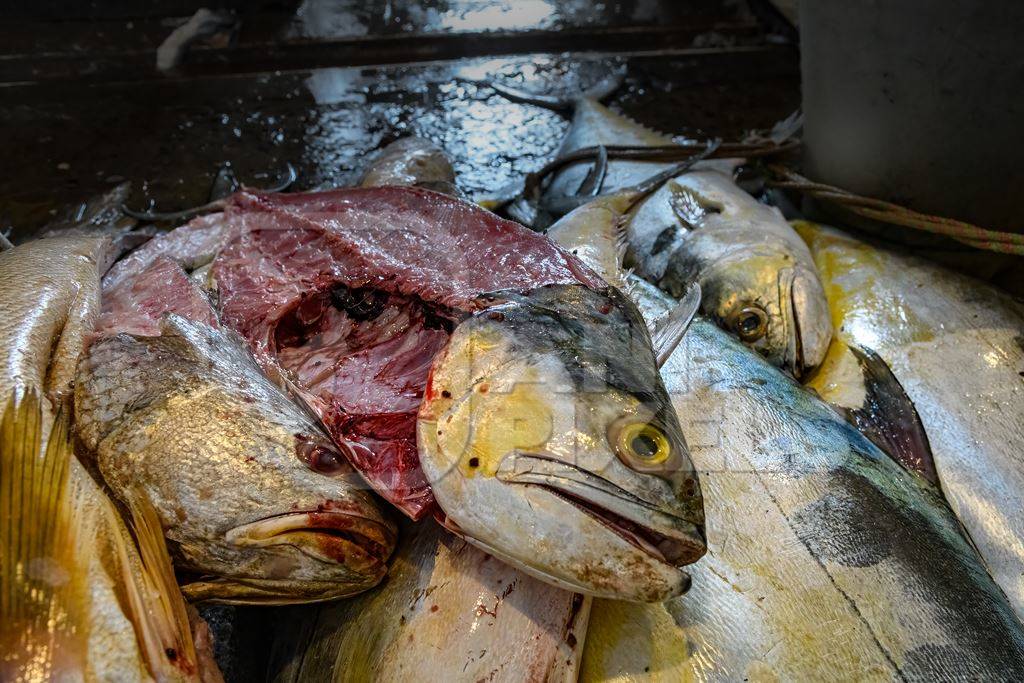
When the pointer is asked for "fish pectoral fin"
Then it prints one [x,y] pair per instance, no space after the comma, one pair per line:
[691,207]
[888,418]
[669,330]
[158,608]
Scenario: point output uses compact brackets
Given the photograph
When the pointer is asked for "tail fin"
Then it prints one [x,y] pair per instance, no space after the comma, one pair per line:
[563,101]
[54,519]
[40,607]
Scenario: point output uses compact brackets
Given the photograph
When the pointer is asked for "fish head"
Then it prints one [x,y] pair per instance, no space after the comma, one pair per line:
[258,504]
[774,305]
[296,525]
[550,442]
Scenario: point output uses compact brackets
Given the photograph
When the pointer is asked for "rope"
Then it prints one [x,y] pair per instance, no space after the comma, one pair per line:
[887,212]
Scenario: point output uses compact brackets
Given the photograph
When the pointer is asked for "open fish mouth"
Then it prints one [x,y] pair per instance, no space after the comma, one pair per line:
[328,536]
[667,538]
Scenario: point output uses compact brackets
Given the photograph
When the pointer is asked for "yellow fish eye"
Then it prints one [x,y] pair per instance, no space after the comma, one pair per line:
[750,323]
[642,444]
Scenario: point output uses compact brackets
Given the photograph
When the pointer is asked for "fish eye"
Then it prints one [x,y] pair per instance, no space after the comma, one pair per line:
[750,323]
[320,457]
[642,444]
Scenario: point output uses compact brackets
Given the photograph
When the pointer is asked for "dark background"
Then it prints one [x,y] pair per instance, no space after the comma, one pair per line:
[319,84]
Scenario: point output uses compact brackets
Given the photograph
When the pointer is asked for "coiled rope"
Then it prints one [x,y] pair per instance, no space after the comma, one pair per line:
[887,212]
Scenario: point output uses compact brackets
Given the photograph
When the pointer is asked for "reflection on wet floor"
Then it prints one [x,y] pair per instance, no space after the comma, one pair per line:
[64,142]
[321,19]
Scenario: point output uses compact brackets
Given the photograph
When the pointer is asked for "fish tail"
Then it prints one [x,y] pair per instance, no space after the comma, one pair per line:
[42,601]
[565,100]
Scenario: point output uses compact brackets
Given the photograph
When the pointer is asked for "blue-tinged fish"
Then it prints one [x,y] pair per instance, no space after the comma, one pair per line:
[953,348]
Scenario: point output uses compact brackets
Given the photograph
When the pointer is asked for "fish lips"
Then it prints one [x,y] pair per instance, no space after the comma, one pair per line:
[667,538]
[359,543]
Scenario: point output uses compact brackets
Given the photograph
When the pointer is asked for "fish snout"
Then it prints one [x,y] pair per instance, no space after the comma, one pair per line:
[361,544]
[811,320]
[659,528]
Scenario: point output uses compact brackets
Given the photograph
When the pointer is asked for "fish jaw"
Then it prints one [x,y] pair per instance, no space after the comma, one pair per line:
[517,436]
[359,542]
[812,319]
[667,537]
[805,322]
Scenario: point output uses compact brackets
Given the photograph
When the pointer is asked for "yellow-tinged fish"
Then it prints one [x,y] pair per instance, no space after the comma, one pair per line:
[955,346]
[81,598]
[825,559]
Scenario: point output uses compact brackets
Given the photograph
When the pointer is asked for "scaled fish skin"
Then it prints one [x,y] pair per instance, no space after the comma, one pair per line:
[253,495]
[758,279]
[956,345]
[49,301]
[824,557]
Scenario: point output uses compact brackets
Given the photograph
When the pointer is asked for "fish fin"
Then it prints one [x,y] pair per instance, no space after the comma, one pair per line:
[40,607]
[669,330]
[592,183]
[888,417]
[158,608]
[563,101]
[652,183]
[5,244]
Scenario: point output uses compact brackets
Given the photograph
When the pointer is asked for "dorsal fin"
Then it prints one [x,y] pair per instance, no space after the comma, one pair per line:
[889,418]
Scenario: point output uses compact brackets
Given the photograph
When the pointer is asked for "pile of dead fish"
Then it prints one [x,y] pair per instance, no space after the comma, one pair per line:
[464,439]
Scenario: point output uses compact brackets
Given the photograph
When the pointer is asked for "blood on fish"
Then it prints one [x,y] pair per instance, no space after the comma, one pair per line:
[354,292]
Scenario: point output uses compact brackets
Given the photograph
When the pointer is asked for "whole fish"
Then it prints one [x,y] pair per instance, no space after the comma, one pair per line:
[254,497]
[956,347]
[757,278]
[82,597]
[422,329]
[809,524]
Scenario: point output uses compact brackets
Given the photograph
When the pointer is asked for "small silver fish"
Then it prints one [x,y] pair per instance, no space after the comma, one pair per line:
[757,278]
